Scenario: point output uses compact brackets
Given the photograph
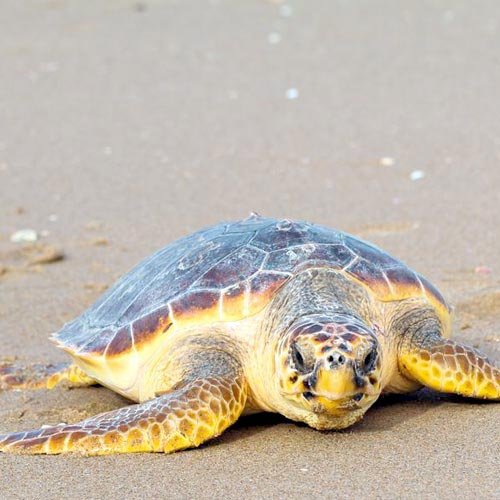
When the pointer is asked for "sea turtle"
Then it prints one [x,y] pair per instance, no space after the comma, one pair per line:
[249,316]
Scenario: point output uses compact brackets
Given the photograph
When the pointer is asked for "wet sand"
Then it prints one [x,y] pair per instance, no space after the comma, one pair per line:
[126,126]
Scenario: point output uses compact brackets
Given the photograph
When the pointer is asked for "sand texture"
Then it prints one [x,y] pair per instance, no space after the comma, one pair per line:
[125,125]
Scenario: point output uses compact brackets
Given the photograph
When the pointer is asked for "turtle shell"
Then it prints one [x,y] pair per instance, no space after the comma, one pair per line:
[225,273]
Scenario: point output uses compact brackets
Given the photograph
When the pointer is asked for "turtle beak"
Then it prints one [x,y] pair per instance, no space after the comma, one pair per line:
[337,385]
[333,383]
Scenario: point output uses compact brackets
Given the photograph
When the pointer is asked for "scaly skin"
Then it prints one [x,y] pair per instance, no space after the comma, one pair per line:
[447,366]
[200,410]
[316,355]
[14,376]
[327,317]
[424,355]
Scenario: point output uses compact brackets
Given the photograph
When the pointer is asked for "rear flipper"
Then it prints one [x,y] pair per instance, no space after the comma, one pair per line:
[199,410]
[447,366]
[14,376]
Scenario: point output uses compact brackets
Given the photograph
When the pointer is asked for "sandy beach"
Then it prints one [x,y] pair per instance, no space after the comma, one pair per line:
[125,125]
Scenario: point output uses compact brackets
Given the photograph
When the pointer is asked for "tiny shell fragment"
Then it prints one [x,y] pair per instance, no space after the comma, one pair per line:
[416,175]
[24,236]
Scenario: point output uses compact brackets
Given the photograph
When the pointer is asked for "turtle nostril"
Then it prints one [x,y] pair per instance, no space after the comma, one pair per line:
[336,359]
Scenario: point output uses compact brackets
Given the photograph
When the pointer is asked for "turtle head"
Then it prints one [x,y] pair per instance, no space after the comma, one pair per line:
[329,366]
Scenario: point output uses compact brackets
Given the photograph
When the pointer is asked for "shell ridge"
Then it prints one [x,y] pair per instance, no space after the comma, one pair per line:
[156,278]
[105,353]
[253,247]
[159,254]
[222,259]
[165,270]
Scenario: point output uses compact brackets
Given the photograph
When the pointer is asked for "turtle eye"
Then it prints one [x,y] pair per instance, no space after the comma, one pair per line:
[301,359]
[369,361]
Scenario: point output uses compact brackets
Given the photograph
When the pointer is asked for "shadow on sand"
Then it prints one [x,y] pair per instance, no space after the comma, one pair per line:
[389,411]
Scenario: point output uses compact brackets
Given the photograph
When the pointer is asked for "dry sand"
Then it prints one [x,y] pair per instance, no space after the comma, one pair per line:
[127,125]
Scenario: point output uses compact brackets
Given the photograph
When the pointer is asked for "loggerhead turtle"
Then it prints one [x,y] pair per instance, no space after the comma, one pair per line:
[256,315]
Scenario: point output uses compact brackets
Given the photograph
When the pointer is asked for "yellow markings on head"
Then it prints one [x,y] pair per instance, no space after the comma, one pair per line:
[335,384]
[331,406]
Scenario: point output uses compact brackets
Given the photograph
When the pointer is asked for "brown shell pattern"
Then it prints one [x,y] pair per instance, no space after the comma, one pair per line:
[225,273]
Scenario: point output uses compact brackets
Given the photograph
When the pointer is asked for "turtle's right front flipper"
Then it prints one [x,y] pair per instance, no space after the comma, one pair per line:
[202,408]
[448,366]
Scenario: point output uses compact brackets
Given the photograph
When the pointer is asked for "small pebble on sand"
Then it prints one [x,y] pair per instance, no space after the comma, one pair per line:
[46,255]
[292,93]
[387,161]
[274,38]
[492,338]
[100,242]
[416,175]
[93,225]
[286,10]
[95,287]
[24,236]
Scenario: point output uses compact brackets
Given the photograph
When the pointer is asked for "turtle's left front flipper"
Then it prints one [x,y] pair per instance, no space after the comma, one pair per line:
[199,409]
[16,377]
[447,366]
